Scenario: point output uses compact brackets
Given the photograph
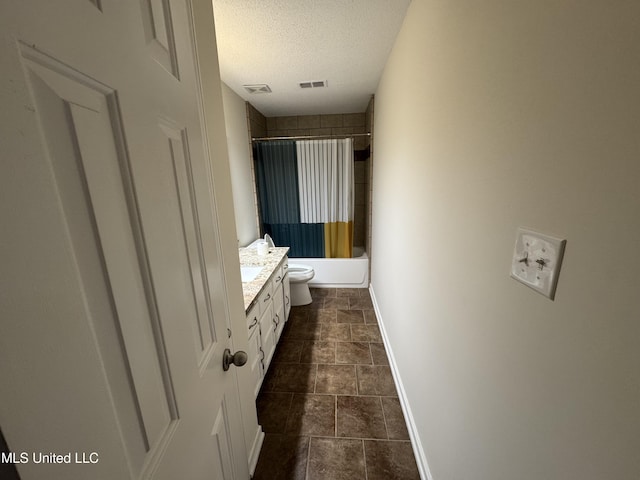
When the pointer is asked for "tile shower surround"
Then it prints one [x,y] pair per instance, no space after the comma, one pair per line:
[326,124]
[333,124]
[328,405]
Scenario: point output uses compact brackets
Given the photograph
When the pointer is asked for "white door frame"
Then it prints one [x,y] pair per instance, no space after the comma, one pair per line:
[206,58]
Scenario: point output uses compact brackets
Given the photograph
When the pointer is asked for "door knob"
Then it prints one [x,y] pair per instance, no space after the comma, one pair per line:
[238,359]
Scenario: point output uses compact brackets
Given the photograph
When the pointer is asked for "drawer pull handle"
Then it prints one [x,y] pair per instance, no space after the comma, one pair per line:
[278,278]
[287,297]
[268,297]
[254,323]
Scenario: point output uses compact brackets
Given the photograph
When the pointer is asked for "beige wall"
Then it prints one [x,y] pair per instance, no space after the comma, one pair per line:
[235,116]
[489,116]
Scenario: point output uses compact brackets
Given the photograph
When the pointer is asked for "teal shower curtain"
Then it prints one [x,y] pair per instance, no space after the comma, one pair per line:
[278,200]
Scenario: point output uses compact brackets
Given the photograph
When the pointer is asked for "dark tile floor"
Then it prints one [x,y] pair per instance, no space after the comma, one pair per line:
[328,404]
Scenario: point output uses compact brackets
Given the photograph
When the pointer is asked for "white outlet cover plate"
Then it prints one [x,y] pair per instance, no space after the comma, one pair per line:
[536,260]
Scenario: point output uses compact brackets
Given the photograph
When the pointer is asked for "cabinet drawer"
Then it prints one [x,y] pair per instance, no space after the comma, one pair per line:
[267,336]
[277,277]
[264,300]
[253,317]
[278,297]
[287,296]
[279,318]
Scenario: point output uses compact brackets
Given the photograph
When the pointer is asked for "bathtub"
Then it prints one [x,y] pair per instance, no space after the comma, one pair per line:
[339,272]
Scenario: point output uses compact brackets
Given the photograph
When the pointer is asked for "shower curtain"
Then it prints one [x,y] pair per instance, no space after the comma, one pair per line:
[305,195]
[325,183]
[278,201]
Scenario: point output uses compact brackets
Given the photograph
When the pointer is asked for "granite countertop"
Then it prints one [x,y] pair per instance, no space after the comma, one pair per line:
[250,258]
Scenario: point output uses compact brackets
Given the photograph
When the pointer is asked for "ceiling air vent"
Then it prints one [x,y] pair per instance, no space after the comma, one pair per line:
[316,84]
[261,88]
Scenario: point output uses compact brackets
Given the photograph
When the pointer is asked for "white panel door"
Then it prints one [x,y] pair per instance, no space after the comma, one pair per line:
[113,304]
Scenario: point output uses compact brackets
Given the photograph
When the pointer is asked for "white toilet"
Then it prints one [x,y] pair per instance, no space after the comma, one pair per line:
[299,276]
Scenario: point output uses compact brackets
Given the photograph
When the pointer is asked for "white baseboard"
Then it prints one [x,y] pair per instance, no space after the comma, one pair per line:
[418,451]
[254,454]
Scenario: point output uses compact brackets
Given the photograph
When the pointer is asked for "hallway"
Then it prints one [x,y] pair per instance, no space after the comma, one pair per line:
[328,406]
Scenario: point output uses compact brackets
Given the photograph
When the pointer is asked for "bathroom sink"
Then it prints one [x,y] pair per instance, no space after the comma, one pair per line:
[249,273]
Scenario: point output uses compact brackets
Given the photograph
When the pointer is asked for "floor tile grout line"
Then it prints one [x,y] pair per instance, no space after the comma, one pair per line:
[306,473]
[364,459]
[384,417]
[286,422]
[338,394]
[335,420]
[315,379]
[368,439]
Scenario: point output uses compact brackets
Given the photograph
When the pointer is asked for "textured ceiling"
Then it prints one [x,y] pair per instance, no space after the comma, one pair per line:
[285,42]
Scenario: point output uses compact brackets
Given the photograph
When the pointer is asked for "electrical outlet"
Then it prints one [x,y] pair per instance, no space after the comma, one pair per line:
[536,261]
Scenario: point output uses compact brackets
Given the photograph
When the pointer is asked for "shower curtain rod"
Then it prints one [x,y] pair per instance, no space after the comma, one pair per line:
[308,137]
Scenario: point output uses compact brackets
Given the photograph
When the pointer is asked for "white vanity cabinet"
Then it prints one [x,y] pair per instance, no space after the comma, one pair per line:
[265,322]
